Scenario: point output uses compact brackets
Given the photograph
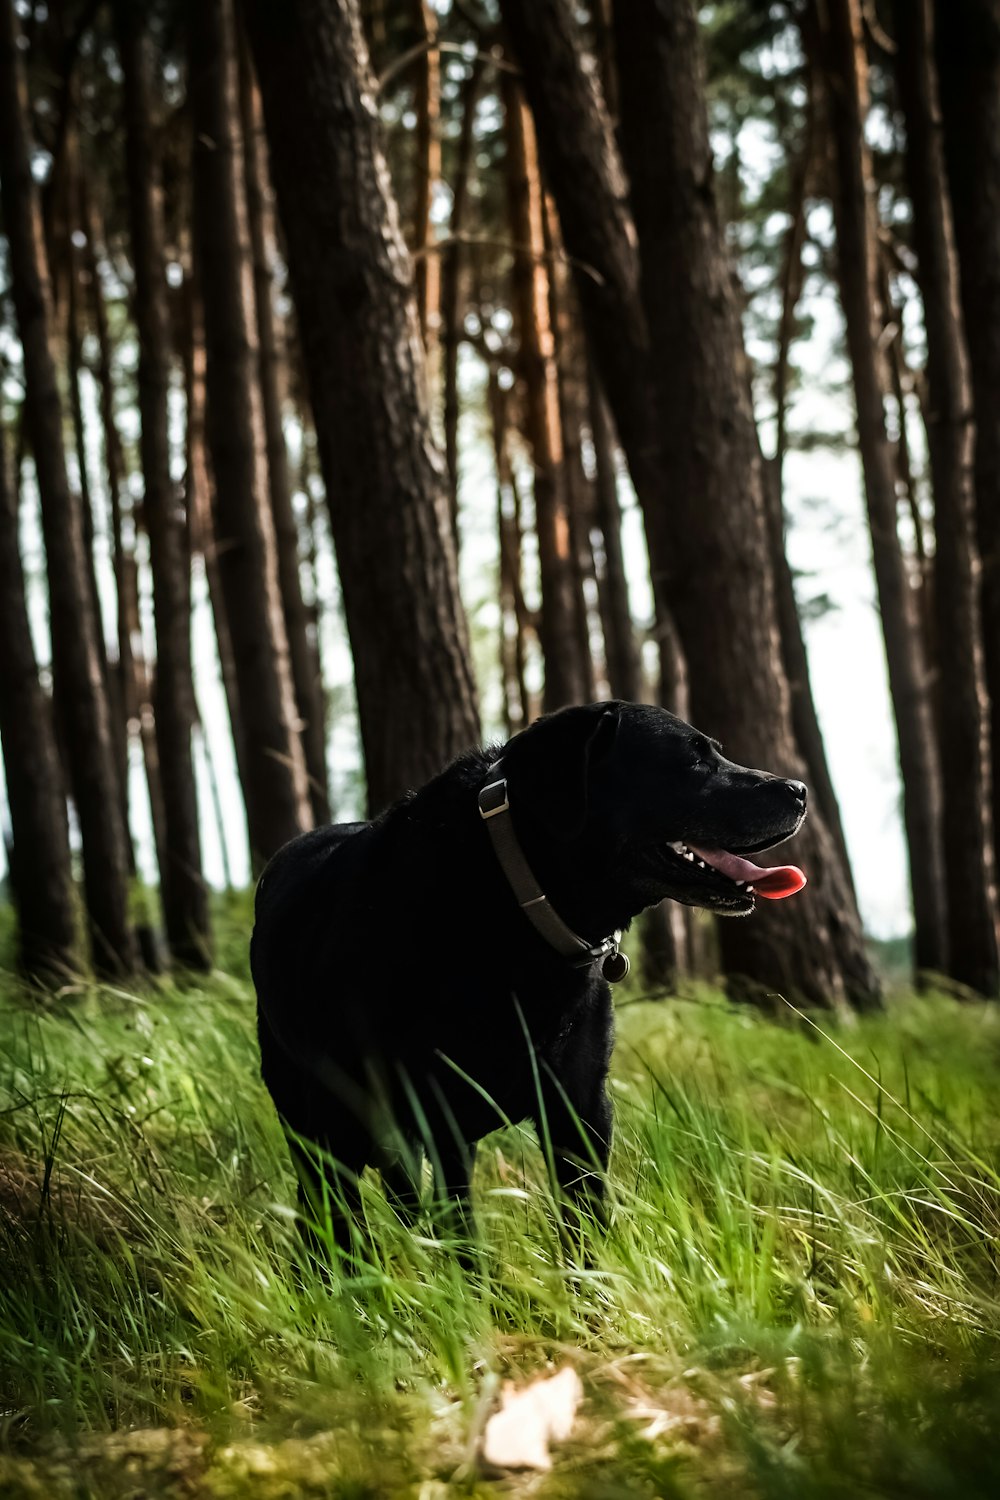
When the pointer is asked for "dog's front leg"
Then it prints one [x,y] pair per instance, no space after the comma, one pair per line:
[574,1116]
[575,1134]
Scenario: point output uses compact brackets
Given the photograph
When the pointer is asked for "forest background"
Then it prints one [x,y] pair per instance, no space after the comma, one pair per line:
[220,417]
[377,374]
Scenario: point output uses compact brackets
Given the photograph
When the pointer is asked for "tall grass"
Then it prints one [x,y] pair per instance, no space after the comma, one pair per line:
[797,1293]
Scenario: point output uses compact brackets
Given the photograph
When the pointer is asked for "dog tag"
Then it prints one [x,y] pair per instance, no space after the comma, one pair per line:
[615,967]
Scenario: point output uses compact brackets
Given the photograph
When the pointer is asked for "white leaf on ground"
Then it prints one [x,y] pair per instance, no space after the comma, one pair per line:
[518,1435]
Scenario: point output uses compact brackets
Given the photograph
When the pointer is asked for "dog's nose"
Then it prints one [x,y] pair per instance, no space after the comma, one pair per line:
[798,790]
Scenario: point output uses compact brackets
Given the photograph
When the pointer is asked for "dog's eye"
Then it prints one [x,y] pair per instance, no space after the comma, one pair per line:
[704,752]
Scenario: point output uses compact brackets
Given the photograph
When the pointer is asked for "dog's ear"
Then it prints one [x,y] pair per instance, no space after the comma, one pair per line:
[578,742]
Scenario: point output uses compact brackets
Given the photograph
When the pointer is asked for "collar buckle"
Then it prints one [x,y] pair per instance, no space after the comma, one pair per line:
[493,799]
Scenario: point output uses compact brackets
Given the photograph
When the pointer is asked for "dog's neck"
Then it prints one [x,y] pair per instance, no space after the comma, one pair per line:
[494,809]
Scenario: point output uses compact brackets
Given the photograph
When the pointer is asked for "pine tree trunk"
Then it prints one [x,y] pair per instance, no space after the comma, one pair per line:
[714,573]
[569,355]
[621,646]
[182,885]
[427,173]
[119,677]
[793,648]
[685,424]
[79,690]
[565,674]
[968,56]
[40,871]
[276,789]
[967,827]
[584,173]
[385,482]
[302,649]
[514,614]
[451,277]
[840,43]
[201,529]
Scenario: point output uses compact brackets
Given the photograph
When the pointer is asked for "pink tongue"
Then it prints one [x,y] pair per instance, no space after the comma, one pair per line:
[775,882]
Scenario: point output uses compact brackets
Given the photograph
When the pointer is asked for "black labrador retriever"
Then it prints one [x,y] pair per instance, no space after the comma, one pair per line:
[443,969]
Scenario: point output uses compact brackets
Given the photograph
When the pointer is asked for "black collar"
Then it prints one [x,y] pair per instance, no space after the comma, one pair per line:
[494,809]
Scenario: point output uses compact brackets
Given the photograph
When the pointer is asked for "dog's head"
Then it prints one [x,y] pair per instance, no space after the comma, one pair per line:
[627,797]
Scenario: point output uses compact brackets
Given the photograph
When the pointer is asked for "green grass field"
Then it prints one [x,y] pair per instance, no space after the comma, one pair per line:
[797,1297]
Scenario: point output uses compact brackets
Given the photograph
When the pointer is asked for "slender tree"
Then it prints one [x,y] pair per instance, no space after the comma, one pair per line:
[968,57]
[713,475]
[41,874]
[834,30]
[182,884]
[967,831]
[427,160]
[565,670]
[386,487]
[81,699]
[514,612]
[681,406]
[621,645]
[276,789]
[302,645]
[451,275]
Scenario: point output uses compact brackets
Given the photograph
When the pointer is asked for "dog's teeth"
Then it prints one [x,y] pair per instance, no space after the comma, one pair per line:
[740,884]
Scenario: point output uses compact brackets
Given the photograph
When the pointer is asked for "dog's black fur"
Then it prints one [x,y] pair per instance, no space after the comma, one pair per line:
[404,1000]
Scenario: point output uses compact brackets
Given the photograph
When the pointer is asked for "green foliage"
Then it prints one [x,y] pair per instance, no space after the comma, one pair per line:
[797,1295]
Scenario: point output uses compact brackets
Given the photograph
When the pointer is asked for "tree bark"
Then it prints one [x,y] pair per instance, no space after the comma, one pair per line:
[182,884]
[40,870]
[968,56]
[967,827]
[621,645]
[427,154]
[385,481]
[79,689]
[451,277]
[805,720]
[569,355]
[685,425]
[276,789]
[303,648]
[837,33]
[711,548]
[201,529]
[584,172]
[122,677]
[514,613]
[565,675]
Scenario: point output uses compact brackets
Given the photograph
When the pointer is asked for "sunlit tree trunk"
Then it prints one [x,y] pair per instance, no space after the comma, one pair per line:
[182,884]
[569,355]
[452,302]
[79,688]
[276,788]
[41,874]
[837,33]
[514,613]
[621,645]
[302,644]
[565,672]
[385,481]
